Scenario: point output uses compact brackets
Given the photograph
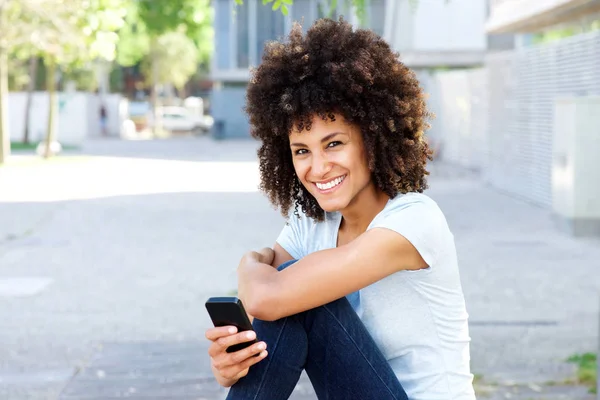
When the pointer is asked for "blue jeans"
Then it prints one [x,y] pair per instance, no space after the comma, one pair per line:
[331,343]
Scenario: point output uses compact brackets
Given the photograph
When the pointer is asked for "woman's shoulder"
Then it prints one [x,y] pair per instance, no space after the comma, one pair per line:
[420,220]
[413,212]
[413,202]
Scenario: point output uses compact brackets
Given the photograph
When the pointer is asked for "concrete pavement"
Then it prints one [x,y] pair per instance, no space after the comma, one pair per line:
[106,259]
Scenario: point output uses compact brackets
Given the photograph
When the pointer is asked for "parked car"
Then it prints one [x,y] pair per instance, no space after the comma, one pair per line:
[180,119]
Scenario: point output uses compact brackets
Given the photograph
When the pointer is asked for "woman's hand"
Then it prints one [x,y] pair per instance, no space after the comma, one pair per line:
[266,256]
[228,368]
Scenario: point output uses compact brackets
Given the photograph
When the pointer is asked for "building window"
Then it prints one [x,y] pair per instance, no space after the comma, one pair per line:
[324,10]
[243,30]
[303,12]
[376,15]
[270,26]
[241,34]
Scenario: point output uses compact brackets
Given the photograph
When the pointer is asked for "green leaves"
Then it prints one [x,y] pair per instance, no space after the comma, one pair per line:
[359,6]
[148,20]
[587,369]
[175,57]
[278,5]
[69,31]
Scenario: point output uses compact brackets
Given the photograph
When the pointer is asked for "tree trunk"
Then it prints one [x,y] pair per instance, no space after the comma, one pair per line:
[154,99]
[4,133]
[51,87]
[182,92]
[33,62]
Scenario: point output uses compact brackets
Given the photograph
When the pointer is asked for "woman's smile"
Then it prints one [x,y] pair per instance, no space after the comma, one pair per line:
[330,186]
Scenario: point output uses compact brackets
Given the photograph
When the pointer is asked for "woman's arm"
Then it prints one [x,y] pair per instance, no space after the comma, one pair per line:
[272,257]
[281,256]
[326,275]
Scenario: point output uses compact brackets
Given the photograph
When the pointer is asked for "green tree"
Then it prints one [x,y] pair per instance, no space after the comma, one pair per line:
[6,17]
[15,30]
[79,32]
[62,32]
[557,34]
[153,25]
[168,47]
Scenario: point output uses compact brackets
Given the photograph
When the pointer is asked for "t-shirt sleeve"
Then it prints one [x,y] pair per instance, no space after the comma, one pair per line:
[292,237]
[421,222]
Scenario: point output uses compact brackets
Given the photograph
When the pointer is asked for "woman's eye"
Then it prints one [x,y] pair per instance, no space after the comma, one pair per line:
[333,144]
[299,152]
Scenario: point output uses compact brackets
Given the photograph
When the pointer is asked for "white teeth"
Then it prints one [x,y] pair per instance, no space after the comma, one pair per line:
[329,185]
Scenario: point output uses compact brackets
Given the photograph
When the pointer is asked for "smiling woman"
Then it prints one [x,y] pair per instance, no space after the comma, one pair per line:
[361,288]
[325,162]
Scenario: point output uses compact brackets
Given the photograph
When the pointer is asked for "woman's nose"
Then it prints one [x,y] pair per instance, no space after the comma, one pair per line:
[320,166]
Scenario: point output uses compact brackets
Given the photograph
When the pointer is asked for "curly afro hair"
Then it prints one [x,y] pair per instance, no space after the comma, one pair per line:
[354,73]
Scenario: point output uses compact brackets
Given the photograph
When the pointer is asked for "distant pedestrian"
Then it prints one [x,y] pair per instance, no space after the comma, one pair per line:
[362,288]
[103,120]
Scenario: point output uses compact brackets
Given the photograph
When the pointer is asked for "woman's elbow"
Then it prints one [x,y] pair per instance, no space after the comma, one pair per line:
[263,307]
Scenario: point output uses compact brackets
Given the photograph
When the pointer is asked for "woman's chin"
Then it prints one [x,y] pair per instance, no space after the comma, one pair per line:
[331,206]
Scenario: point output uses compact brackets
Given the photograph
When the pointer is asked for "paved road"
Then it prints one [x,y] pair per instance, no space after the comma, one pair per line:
[107,257]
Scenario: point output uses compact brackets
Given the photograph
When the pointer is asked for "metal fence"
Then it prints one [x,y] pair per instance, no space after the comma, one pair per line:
[499,119]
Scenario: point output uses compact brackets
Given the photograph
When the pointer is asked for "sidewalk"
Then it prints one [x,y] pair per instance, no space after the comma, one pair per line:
[132,239]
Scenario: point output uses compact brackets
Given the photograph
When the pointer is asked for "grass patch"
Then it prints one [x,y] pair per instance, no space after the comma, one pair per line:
[483,388]
[587,369]
[22,146]
[32,146]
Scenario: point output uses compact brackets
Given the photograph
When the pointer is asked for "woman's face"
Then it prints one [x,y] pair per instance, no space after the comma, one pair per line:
[331,162]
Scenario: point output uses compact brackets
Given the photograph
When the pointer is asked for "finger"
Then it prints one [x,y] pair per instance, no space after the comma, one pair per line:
[218,332]
[241,355]
[239,369]
[241,337]
[222,359]
[242,374]
[220,345]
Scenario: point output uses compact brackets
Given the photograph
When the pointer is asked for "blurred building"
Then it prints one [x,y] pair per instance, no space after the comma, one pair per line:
[535,16]
[529,119]
[428,34]
[432,34]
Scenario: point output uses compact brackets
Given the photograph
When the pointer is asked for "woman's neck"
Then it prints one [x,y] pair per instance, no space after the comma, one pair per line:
[361,211]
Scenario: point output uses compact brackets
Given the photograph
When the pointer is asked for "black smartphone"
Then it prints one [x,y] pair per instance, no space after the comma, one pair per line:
[225,311]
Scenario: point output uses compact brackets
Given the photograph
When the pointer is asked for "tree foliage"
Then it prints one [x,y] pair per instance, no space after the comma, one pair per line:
[147,20]
[560,33]
[158,32]
[167,48]
[359,6]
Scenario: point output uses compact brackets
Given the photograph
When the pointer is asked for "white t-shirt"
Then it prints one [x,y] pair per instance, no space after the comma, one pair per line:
[417,318]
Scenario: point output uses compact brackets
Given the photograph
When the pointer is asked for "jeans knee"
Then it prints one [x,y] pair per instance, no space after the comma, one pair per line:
[285,265]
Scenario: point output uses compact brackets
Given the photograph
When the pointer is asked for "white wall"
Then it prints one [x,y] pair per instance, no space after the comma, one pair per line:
[78,116]
[433,25]
[459,101]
